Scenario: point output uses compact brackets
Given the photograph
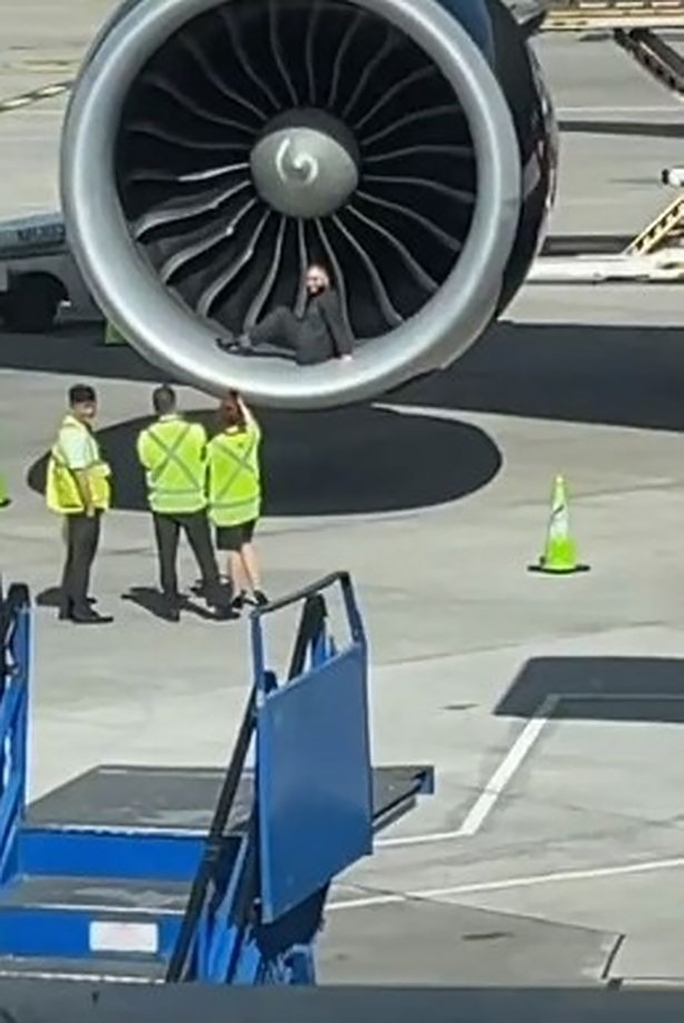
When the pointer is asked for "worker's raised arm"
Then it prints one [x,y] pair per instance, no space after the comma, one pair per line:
[246,411]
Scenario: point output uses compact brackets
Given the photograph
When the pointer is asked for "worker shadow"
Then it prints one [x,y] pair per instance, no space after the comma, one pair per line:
[152,600]
[347,461]
[49,597]
[598,689]
[146,597]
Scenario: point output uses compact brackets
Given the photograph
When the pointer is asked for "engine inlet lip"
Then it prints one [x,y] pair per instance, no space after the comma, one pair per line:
[168,334]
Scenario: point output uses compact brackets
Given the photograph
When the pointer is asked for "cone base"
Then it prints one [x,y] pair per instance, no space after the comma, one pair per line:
[543,569]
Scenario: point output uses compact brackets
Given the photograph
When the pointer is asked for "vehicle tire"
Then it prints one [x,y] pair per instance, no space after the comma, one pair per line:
[31,305]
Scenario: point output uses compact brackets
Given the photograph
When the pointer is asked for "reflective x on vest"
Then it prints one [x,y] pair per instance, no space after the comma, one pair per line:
[171,457]
[241,465]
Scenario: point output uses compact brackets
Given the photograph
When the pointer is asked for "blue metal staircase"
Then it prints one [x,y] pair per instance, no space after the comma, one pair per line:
[191,874]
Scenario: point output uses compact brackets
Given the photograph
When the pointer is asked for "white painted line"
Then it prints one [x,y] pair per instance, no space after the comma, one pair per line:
[508,766]
[403,841]
[529,881]
[487,799]
[525,741]
[12,104]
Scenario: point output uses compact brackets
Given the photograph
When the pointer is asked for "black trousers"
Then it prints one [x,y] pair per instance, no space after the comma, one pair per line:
[167,529]
[82,539]
[282,328]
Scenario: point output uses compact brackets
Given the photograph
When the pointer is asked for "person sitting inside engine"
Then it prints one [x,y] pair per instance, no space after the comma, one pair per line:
[318,335]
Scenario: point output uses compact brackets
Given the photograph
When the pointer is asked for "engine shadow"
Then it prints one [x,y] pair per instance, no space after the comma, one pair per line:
[76,349]
[598,689]
[612,375]
[609,375]
[348,461]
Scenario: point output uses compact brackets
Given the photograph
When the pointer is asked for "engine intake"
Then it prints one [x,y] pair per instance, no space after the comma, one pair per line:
[212,150]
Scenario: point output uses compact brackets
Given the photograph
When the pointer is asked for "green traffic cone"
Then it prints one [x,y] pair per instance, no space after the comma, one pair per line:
[560,549]
[4,493]
[113,335]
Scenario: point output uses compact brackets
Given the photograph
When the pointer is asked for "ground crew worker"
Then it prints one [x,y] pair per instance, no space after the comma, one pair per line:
[78,487]
[235,495]
[173,453]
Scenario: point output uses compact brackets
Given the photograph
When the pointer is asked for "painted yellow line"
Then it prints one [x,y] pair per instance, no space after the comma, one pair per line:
[25,99]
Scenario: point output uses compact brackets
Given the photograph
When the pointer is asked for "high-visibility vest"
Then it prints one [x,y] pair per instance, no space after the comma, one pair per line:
[62,493]
[173,453]
[234,476]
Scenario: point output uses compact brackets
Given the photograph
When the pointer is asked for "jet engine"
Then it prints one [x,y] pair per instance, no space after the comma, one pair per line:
[212,149]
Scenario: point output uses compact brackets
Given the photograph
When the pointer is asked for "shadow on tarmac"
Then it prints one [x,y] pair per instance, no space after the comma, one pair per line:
[644,129]
[618,375]
[348,461]
[152,601]
[612,375]
[598,689]
[359,460]
[146,597]
[25,1000]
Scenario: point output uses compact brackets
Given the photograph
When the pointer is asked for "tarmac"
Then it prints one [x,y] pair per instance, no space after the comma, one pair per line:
[552,852]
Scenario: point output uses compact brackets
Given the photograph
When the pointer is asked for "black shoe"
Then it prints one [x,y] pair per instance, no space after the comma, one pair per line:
[241,345]
[260,598]
[66,612]
[170,607]
[238,601]
[228,344]
[90,617]
[225,613]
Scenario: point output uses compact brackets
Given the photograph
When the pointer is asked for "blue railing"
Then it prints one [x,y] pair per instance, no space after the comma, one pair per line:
[15,669]
[240,926]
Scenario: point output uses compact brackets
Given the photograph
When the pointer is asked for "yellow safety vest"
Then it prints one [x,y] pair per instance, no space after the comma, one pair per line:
[173,453]
[62,493]
[234,476]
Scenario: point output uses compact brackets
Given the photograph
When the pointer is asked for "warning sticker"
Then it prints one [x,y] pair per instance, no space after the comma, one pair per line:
[122,936]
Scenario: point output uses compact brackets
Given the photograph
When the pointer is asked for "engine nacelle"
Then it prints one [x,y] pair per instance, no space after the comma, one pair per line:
[213,148]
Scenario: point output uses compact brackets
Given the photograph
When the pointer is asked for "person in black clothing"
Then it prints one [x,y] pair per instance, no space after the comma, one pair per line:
[319,335]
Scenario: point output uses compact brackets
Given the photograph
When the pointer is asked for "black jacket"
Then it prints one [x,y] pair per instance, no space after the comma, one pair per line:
[322,332]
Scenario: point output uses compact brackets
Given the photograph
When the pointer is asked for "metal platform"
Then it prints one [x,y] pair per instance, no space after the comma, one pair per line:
[183,800]
[100,894]
[88,971]
[601,15]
